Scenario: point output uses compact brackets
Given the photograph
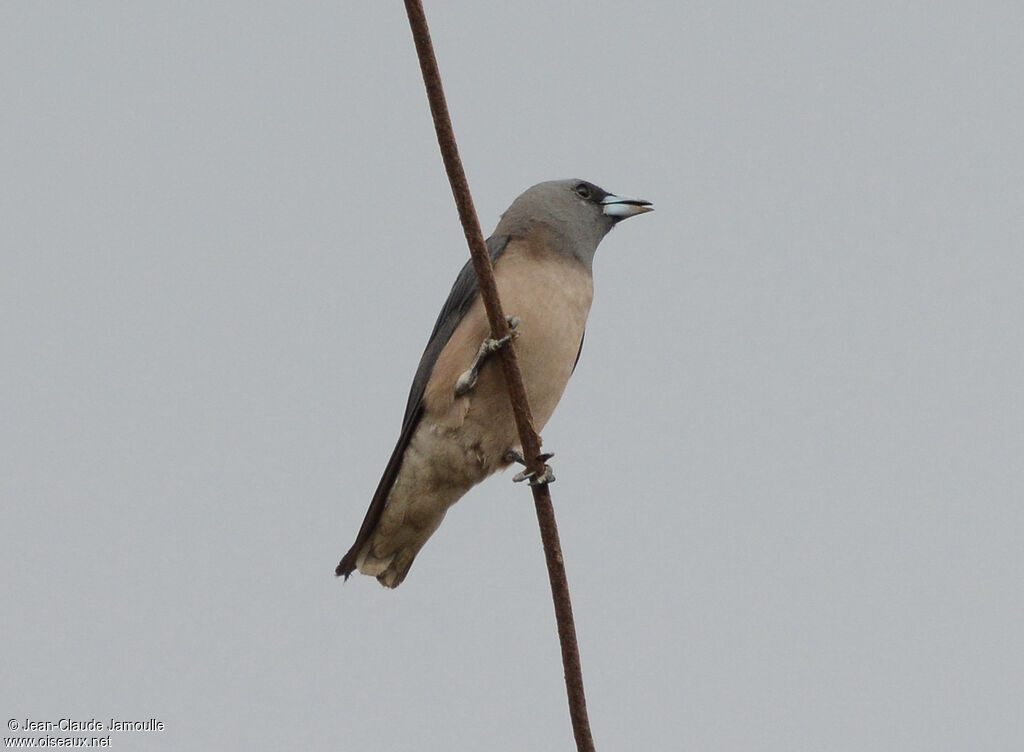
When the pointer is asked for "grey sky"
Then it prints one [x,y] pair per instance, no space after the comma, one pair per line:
[789,463]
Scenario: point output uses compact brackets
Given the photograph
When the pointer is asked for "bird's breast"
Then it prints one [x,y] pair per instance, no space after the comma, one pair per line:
[551,296]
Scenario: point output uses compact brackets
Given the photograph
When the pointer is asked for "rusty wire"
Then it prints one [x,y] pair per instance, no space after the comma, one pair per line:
[517,393]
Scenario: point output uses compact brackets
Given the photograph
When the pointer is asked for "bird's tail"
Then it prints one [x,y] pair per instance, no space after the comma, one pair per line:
[391,570]
[388,558]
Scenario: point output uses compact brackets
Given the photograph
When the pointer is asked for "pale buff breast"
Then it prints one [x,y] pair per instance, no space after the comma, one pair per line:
[551,296]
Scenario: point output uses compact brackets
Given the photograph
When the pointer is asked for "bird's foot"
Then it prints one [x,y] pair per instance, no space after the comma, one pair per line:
[465,383]
[547,475]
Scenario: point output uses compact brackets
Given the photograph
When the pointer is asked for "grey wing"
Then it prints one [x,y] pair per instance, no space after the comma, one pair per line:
[460,298]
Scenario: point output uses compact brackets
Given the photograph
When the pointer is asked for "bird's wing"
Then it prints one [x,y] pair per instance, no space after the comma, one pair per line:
[461,297]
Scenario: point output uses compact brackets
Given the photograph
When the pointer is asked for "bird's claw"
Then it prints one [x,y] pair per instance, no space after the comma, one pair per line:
[465,383]
[547,475]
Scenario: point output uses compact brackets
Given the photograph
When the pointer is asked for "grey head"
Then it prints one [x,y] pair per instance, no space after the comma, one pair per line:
[570,216]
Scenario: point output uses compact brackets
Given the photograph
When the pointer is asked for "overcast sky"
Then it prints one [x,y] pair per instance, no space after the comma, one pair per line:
[790,472]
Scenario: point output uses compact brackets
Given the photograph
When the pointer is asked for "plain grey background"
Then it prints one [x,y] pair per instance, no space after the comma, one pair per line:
[789,463]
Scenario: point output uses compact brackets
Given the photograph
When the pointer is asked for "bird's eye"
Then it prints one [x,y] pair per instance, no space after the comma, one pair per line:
[583,190]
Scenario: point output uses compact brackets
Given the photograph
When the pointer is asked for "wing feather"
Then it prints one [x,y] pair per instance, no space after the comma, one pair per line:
[460,298]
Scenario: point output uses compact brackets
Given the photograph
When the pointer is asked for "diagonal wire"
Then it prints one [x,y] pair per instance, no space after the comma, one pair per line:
[517,393]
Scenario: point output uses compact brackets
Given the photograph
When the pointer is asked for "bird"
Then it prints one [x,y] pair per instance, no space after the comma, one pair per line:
[458,427]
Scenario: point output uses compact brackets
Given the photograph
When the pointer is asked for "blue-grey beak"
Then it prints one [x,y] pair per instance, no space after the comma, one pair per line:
[620,207]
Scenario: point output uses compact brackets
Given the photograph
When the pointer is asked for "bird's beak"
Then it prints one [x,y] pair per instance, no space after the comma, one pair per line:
[620,207]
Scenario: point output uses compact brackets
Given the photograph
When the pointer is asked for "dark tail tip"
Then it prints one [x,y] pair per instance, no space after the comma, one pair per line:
[345,567]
